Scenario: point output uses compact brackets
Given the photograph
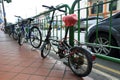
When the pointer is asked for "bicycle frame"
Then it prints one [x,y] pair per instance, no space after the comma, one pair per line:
[23,25]
[23,28]
[50,28]
[49,40]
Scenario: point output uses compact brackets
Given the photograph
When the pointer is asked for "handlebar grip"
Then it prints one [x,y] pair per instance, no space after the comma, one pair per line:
[47,6]
[18,16]
[44,6]
[61,10]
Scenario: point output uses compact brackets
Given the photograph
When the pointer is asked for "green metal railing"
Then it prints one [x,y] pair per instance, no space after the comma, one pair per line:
[59,29]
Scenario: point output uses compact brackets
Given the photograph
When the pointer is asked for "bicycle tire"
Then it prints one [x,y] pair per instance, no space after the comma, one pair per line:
[36,37]
[45,50]
[21,39]
[15,35]
[77,59]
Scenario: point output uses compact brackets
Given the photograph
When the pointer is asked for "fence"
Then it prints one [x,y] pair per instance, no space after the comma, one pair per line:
[104,36]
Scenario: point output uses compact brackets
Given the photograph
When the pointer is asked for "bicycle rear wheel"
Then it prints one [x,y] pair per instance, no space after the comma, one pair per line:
[45,49]
[35,37]
[80,61]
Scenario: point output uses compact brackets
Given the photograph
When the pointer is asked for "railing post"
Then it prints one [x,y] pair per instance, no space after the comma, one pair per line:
[71,33]
[79,22]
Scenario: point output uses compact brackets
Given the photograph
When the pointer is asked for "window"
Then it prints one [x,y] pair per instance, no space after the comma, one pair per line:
[94,8]
[113,5]
[100,7]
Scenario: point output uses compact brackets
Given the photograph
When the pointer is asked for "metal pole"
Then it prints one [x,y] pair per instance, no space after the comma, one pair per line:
[4,14]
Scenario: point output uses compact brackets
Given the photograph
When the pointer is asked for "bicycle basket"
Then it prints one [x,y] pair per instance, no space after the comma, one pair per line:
[70,20]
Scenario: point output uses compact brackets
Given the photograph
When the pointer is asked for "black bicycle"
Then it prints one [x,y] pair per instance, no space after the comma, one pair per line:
[79,59]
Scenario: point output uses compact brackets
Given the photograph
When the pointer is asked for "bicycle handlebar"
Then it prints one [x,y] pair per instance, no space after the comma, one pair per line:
[18,16]
[49,7]
[52,7]
[61,10]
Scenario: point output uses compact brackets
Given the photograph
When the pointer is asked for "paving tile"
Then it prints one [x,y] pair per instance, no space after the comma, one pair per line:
[15,62]
[53,78]
[29,70]
[67,68]
[56,73]
[7,76]
[70,75]
[42,72]
[17,69]
[36,64]
[47,65]
[4,61]
[34,77]
[49,60]
[24,64]
[2,72]
[21,77]
[6,67]
[59,67]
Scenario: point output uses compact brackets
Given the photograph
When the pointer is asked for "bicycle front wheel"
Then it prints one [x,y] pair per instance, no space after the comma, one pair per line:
[80,61]
[45,49]
[15,35]
[35,37]
[21,38]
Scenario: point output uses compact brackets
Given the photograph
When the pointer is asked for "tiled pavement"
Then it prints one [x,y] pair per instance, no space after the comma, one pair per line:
[22,63]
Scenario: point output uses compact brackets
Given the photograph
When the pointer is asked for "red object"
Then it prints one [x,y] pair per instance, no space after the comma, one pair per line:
[93,57]
[70,20]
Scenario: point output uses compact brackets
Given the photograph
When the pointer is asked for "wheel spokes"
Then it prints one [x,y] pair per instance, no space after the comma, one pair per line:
[101,48]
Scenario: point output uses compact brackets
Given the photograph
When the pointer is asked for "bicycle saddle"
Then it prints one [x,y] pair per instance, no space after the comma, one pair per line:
[70,20]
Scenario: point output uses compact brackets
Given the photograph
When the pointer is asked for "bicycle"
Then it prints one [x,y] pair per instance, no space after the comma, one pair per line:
[15,31]
[79,59]
[30,32]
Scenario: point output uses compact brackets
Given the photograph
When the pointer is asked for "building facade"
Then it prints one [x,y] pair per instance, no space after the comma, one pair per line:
[104,7]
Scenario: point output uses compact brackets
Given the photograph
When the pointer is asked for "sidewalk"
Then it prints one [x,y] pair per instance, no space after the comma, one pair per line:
[22,63]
